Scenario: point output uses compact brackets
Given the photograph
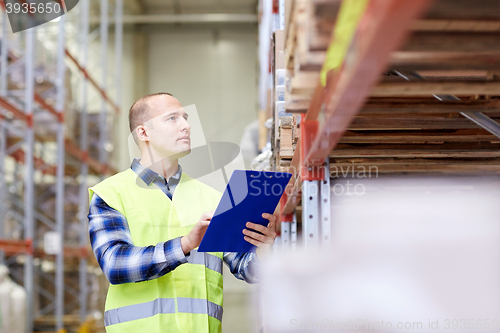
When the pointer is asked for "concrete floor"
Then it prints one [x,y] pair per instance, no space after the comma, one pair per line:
[240,314]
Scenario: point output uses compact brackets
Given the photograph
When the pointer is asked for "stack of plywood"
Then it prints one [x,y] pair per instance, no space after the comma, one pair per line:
[414,88]
[412,120]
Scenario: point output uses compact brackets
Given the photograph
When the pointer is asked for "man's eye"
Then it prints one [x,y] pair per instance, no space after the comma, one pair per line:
[171,118]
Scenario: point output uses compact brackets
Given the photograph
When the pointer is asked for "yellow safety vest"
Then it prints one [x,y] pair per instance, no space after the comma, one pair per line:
[187,299]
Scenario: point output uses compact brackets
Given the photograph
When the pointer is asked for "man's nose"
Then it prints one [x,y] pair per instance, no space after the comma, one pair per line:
[185,126]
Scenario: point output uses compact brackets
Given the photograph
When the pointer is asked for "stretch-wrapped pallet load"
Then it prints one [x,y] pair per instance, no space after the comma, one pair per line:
[13,313]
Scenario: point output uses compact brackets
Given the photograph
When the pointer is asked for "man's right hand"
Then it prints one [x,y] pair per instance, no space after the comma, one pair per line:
[193,239]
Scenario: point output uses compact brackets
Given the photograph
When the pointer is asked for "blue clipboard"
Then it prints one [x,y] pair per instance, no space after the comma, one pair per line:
[247,196]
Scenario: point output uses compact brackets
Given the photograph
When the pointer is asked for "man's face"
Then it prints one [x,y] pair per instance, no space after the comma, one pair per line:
[168,129]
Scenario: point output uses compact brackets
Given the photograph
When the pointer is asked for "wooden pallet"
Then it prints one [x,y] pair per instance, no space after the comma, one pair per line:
[402,127]
[456,54]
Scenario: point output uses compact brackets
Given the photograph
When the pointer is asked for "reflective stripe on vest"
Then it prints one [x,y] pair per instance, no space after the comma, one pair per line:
[162,305]
[209,260]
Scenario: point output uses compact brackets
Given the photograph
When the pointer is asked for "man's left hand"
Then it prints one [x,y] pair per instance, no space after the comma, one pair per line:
[265,241]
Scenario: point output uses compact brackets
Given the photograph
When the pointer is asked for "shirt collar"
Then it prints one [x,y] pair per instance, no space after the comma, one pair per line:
[148,175]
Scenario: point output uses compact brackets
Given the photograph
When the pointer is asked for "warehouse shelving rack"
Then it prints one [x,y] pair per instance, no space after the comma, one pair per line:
[410,87]
[22,109]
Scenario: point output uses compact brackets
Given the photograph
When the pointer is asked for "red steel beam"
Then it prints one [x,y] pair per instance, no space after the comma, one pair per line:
[19,155]
[39,163]
[49,108]
[284,217]
[69,146]
[382,29]
[92,81]
[15,111]
[84,157]
[84,71]
[39,99]
[13,247]
[293,188]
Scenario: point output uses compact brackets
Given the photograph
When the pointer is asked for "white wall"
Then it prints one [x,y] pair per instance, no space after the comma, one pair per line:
[217,71]
[120,125]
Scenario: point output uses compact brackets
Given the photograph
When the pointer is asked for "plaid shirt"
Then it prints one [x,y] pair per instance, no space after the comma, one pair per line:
[122,262]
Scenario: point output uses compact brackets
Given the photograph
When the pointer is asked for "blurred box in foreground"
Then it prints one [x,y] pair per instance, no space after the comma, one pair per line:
[407,255]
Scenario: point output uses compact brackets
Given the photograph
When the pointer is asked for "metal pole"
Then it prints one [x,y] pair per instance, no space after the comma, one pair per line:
[484,121]
[277,244]
[282,14]
[293,232]
[478,118]
[286,220]
[118,50]
[310,213]
[325,207]
[60,175]
[3,147]
[3,134]
[104,72]
[84,167]
[4,56]
[285,236]
[28,173]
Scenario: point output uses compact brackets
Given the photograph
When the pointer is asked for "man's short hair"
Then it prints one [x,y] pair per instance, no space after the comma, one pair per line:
[139,112]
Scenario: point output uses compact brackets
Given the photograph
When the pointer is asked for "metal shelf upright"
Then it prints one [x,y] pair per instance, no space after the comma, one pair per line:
[21,110]
[403,87]
[379,28]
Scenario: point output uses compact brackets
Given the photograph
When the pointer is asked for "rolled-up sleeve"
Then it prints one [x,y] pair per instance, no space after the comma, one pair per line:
[244,266]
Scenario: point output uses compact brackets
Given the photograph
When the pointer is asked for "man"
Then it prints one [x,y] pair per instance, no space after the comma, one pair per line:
[145,224]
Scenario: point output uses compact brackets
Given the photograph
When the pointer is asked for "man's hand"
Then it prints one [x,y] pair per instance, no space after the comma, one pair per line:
[193,239]
[264,241]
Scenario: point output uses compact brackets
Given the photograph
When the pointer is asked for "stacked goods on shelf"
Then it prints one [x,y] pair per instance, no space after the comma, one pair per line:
[13,212]
[45,204]
[44,263]
[93,135]
[286,138]
[370,98]
[283,143]
[304,44]
[307,39]
[45,90]
[415,117]
[46,126]
[12,304]
[57,271]
[98,287]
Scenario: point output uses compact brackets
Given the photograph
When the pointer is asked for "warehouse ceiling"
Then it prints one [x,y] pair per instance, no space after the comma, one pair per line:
[198,7]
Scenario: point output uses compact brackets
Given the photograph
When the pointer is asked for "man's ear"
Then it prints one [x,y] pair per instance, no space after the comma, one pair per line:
[142,133]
